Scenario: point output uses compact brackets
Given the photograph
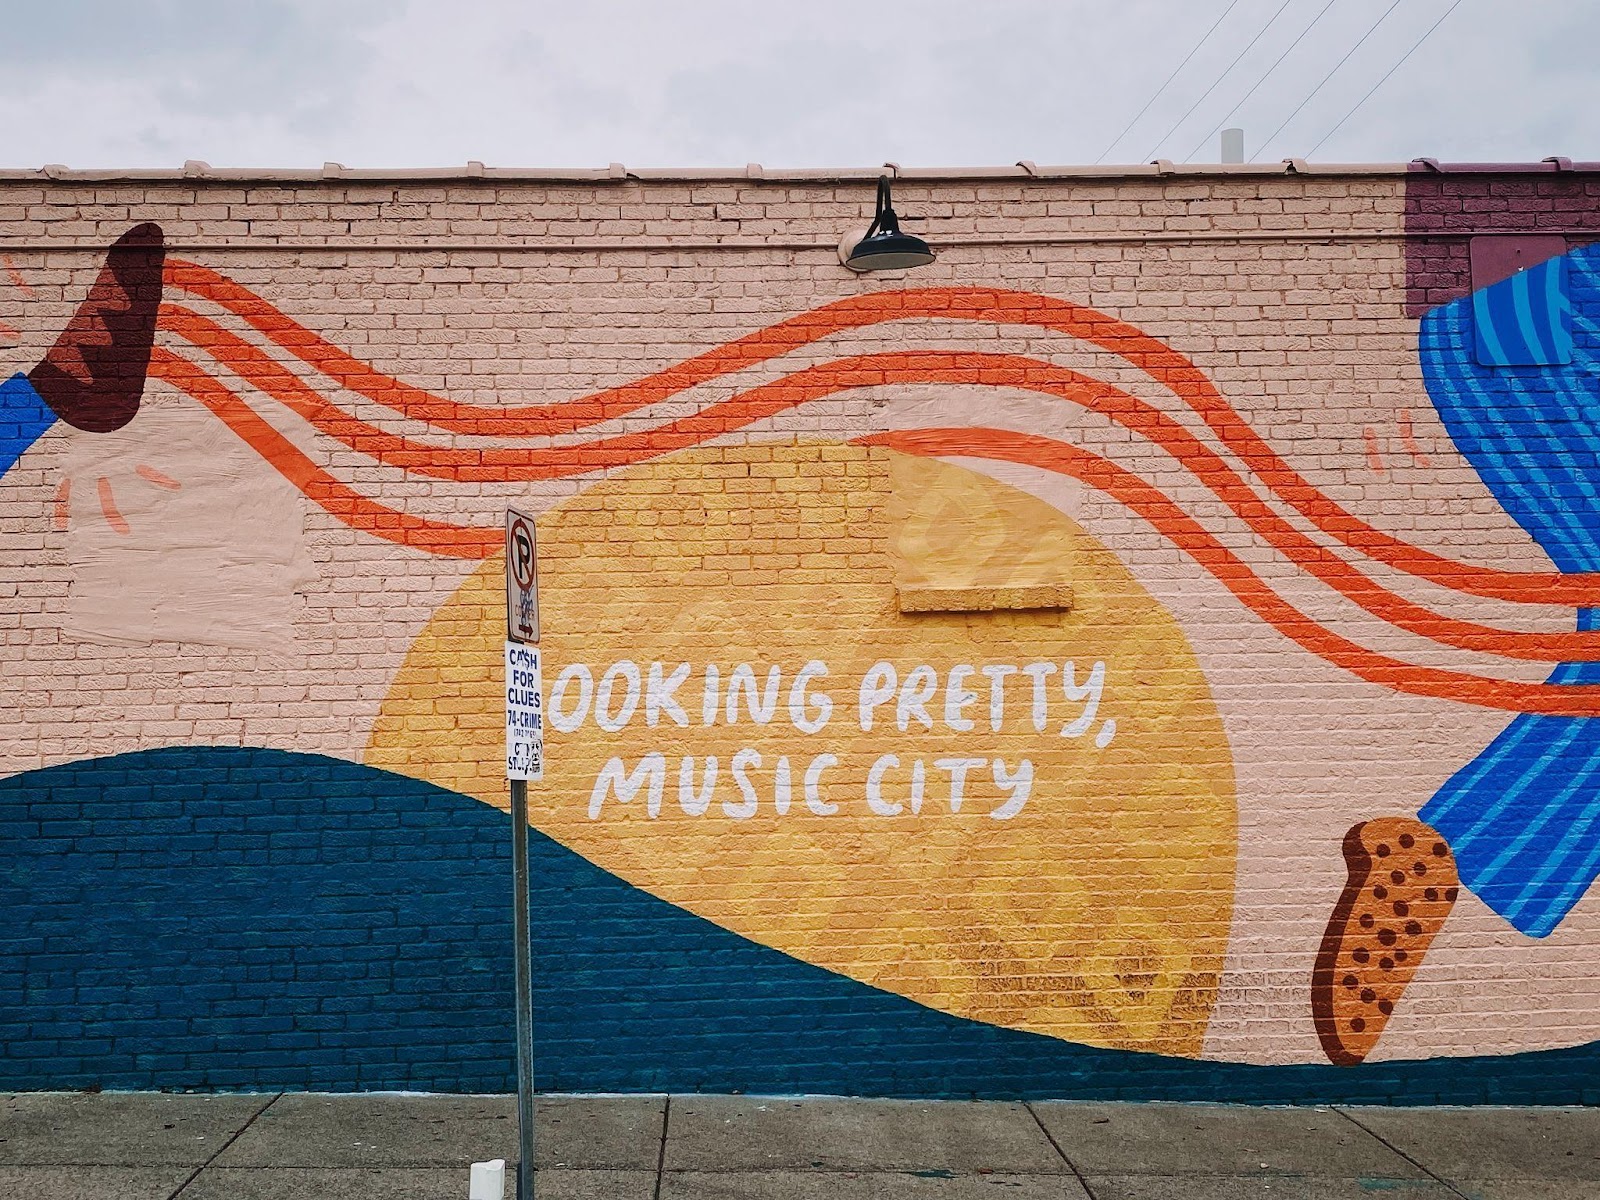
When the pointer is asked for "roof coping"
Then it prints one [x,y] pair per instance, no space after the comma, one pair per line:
[195,170]
[1553,164]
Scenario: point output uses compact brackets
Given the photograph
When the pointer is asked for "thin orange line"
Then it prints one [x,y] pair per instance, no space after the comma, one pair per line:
[16,275]
[108,507]
[1408,438]
[1374,457]
[341,502]
[1163,364]
[157,478]
[8,331]
[1576,700]
[64,504]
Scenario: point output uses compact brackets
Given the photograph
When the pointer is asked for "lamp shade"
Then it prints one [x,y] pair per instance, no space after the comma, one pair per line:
[889,252]
[885,248]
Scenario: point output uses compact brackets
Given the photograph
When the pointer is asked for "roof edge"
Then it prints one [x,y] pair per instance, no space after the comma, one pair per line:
[1552,165]
[476,172]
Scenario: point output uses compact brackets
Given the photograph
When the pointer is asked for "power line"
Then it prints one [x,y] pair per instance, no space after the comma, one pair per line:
[1371,29]
[1384,80]
[1228,70]
[1324,12]
[1195,49]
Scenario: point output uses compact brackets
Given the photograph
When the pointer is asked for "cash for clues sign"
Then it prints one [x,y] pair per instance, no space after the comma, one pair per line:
[524,713]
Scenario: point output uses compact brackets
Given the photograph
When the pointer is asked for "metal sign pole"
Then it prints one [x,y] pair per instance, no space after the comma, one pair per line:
[524,969]
[524,761]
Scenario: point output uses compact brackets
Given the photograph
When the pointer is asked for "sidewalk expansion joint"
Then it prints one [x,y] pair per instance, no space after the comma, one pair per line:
[237,1134]
[661,1151]
[1056,1146]
[850,1171]
[1437,1178]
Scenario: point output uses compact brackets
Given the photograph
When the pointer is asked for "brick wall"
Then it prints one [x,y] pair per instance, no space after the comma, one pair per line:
[1445,209]
[1162,452]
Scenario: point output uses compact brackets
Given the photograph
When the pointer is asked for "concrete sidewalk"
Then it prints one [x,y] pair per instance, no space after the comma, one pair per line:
[56,1146]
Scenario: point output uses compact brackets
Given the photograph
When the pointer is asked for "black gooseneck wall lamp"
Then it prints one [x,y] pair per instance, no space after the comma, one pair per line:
[885,248]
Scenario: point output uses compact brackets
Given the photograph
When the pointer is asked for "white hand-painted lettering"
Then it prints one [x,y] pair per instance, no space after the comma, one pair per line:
[568,722]
[915,693]
[1090,691]
[658,695]
[612,722]
[800,698]
[747,806]
[652,770]
[1017,787]
[997,673]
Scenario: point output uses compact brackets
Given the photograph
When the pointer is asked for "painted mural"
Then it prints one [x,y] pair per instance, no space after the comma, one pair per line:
[871,704]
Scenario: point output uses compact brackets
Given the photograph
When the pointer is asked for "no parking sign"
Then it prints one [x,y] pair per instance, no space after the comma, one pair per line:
[522,578]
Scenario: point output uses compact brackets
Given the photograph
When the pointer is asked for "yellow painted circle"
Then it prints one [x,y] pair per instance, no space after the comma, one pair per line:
[1095,909]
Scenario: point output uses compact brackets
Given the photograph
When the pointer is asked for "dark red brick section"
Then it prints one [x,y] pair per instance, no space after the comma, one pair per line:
[1451,202]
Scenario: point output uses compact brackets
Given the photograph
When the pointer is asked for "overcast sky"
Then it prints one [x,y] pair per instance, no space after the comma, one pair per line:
[787,83]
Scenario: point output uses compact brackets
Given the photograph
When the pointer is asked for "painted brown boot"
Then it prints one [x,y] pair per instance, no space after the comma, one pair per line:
[1401,887]
[93,377]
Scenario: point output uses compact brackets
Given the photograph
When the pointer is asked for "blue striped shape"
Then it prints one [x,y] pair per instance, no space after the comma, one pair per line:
[1526,320]
[1524,816]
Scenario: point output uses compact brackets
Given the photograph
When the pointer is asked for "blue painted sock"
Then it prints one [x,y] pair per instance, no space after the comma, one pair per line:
[24,419]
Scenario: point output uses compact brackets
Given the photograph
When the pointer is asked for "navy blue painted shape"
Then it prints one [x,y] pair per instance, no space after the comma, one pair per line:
[215,918]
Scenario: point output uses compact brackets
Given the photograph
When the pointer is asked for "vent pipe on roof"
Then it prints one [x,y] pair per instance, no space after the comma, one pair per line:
[1233,145]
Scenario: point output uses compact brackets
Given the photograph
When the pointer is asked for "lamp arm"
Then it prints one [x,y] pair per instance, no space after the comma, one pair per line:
[884,219]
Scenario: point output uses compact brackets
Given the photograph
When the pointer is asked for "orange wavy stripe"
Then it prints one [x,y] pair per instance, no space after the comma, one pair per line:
[1148,354]
[1574,700]
[892,367]
[349,506]
[525,420]
[363,514]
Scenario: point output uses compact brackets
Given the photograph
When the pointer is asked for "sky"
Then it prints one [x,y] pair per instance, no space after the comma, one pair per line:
[791,83]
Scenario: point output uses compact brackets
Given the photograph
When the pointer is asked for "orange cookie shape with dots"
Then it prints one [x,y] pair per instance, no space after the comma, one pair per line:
[1401,887]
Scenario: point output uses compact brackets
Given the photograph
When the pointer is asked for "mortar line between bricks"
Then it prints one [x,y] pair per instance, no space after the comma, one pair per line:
[661,1151]
[237,1134]
[1437,1178]
[1056,1146]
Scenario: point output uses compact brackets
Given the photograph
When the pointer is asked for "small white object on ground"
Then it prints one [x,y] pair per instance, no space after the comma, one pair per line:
[488,1180]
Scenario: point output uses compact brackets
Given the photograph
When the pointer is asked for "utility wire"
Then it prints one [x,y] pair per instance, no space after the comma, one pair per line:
[1384,80]
[1276,62]
[1195,49]
[1371,29]
[1226,72]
